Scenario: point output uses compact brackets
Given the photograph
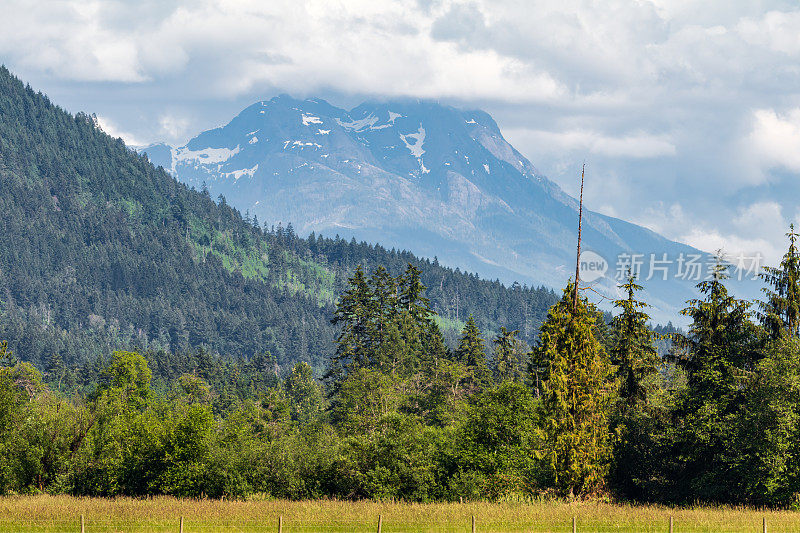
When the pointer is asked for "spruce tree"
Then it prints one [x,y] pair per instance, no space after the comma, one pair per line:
[412,295]
[721,340]
[471,353]
[305,398]
[386,325]
[355,313]
[56,369]
[632,348]
[434,344]
[508,356]
[576,397]
[384,289]
[718,355]
[423,340]
[638,421]
[780,314]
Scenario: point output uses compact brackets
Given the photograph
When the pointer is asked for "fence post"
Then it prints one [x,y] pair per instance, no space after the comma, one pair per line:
[83,525]
[574,526]
[764,524]
[280,524]
[670,523]
[380,523]
[473,523]
[181,524]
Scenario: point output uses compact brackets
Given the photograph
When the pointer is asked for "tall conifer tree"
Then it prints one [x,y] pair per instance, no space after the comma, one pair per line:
[508,356]
[720,344]
[576,396]
[780,314]
[355,312]
[471,352]
[718,355]
[386,325]
[632,348]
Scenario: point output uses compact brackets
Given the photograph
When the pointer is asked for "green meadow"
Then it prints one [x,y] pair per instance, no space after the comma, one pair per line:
[162,514]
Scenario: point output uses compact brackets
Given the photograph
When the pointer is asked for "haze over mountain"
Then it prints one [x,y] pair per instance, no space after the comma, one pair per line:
[418,175]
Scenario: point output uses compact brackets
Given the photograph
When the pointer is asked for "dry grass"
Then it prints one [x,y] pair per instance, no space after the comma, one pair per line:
[62,513]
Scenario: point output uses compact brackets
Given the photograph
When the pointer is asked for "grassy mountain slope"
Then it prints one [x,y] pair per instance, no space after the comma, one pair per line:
[101,250]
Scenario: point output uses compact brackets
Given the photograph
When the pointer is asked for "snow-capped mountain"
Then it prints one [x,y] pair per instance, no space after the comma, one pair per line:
[430,178]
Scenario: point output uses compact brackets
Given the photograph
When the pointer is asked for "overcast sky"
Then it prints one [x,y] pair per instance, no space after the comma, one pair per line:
[687,113]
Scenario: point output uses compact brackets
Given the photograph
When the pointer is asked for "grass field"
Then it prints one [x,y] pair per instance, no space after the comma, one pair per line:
[61,513]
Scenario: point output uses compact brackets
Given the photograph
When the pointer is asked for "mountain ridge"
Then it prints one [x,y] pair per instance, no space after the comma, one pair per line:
[416,174]
[100,250]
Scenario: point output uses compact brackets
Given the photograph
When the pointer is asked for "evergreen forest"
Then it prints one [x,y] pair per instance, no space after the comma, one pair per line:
[159,342]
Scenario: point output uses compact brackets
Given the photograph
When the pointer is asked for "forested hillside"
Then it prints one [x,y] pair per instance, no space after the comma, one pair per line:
[590,411]
[100,250]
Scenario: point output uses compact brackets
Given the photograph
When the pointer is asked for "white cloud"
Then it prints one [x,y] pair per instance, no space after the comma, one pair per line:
[635,145]
[108,126]
[753,219]
[757,228]
[378,47]
[174,127]
[69,40]
[775,30]
[565,51]
[775,139]
[666,219]
[733,246]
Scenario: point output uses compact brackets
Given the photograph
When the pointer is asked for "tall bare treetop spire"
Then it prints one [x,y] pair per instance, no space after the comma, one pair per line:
[578,258]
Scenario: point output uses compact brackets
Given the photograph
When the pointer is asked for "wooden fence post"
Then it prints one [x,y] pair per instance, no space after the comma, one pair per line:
[764,524]
[473,523]
[280,524]
[380,523]
[670,524]
[181,524]
[83,525]
[574,526]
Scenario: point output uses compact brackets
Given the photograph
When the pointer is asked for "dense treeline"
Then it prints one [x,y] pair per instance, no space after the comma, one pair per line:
[100,250]
[395,417]
[590,409]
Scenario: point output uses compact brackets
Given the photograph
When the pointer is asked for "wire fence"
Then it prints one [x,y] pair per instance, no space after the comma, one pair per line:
[83,524]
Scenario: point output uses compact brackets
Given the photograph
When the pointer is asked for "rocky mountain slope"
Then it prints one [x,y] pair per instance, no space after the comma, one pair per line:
[418,175]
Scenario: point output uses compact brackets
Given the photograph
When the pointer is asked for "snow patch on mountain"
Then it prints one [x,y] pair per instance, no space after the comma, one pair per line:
[301,144]
[416,148]
[204,156]
[358,125]
[236,174]
[310,119]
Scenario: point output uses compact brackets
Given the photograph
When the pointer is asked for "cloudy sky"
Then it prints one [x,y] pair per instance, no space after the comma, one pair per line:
[687,113]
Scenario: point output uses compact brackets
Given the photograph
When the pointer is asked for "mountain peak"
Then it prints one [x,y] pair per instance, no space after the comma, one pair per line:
[415,174]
